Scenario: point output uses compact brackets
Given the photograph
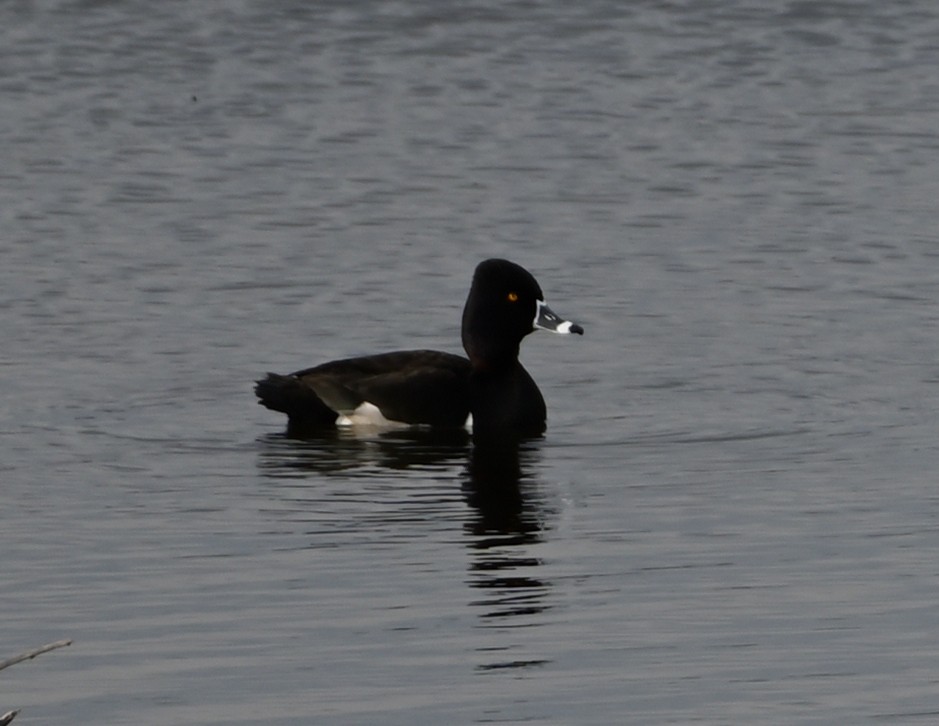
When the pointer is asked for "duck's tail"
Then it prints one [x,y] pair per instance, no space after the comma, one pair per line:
[290,395]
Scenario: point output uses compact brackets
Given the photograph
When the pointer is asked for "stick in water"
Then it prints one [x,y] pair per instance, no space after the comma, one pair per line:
[30,654]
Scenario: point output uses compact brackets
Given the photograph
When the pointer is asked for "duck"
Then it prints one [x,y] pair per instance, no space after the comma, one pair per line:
[487,391]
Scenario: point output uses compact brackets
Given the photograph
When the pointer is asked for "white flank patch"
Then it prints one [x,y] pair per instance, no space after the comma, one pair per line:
[565,327]
[367,414]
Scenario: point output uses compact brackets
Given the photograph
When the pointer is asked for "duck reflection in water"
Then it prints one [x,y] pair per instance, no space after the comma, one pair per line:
[507,516]
[337,451]
[495,486]
[510,517]
[497,480]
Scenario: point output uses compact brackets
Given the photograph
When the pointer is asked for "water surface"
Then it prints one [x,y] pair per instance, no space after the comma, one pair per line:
[732,517]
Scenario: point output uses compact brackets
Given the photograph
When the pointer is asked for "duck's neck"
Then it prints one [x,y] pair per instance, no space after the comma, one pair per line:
[489,352]
[493,362]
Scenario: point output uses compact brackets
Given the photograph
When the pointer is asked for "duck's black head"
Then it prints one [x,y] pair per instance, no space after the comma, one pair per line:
[505,304]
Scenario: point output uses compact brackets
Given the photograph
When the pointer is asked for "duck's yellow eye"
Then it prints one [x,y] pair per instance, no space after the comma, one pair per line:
[512,297]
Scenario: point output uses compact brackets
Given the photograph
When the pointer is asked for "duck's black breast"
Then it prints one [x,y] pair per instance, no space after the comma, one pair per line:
[412,387]
[506,400]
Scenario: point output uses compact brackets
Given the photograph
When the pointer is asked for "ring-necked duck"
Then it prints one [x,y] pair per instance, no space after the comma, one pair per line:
[428,387]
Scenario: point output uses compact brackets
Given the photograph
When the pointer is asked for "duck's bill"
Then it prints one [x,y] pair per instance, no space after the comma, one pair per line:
[547,319]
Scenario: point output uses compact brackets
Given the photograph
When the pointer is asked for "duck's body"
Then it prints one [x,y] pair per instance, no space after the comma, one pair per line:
[408,386]
[432,388]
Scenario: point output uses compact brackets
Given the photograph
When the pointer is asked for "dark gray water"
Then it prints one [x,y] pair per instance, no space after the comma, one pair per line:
[733,517]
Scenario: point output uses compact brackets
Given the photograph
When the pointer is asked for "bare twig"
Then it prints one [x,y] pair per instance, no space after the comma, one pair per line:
[28,655]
